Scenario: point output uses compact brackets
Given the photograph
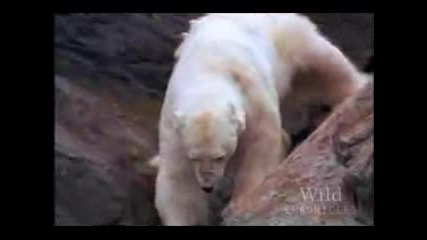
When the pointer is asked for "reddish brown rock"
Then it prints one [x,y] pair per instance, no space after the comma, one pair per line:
[327,180]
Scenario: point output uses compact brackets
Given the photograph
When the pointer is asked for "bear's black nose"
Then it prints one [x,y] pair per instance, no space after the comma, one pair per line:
[207,189]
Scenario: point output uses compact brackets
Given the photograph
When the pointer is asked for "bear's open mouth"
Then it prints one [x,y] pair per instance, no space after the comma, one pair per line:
[207,189]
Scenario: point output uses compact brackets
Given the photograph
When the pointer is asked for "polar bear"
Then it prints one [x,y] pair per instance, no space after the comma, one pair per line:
[223,104]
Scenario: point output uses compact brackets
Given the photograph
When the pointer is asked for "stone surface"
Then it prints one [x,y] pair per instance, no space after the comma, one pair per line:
[99,152]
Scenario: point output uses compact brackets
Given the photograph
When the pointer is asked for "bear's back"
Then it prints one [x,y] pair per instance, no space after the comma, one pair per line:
[217,40]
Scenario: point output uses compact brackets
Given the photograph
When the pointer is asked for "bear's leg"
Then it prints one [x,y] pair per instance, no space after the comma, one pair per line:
[305,48]
[262,148]
[179,200]
[336,76]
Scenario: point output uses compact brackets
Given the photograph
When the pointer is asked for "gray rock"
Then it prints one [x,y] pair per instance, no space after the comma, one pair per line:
[81,196]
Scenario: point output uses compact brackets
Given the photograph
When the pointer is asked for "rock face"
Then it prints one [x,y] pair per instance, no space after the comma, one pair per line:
[136,49]
[99,149]
[327,180]
[111,71]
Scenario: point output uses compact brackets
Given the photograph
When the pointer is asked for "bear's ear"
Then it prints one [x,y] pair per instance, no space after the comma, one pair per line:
[178,120]
[238,117]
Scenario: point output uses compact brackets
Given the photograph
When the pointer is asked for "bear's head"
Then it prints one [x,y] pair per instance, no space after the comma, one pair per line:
[209,139]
